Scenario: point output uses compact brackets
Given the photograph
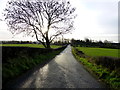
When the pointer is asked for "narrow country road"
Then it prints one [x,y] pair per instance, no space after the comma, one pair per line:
[61,72]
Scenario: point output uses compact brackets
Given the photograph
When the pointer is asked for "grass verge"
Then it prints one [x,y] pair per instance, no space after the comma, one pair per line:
[18,66]
[111,78]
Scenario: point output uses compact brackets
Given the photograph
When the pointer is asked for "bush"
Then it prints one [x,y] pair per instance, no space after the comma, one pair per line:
[108,62]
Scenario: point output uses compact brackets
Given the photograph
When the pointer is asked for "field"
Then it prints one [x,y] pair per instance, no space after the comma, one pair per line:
[29,45]
[99,51]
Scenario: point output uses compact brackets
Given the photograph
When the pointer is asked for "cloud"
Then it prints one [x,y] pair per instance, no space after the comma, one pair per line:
[108,14]
[97,19]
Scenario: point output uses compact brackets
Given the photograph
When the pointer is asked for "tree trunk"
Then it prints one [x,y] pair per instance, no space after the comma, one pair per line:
[44,44]
[48,45]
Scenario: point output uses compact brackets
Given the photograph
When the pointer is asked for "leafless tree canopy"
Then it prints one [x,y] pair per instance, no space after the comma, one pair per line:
[44,19]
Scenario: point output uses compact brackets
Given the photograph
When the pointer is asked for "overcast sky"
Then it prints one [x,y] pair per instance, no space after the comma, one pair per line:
[96,20]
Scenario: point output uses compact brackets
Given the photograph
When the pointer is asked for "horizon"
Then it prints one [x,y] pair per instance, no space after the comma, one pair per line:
[57,40]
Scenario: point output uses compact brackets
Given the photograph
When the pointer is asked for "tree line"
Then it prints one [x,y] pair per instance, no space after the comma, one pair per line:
[18,42]
[91,43]
[57,42]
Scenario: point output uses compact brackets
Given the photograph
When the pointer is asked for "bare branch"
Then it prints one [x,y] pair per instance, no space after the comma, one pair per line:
[40,18]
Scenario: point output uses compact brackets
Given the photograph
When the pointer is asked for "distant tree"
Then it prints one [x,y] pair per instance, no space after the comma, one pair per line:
[44,19]
[107,44]
[106,41]
[87,40]
[73,42]
[100,42]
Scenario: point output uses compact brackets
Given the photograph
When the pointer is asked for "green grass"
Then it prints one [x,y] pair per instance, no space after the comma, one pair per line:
[29,45]
[99,51]
[111,78]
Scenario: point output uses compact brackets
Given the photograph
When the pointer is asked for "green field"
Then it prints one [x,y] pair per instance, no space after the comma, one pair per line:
[99,51]
[29,45]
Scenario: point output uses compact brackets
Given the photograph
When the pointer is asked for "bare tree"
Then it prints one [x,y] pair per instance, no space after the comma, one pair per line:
[44,19]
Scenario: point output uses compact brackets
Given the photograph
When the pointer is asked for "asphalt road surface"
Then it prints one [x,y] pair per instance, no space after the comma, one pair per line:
[61,72]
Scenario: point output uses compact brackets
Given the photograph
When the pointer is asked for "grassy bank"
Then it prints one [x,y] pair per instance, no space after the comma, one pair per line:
[15,67]
[29,45]
[110,76]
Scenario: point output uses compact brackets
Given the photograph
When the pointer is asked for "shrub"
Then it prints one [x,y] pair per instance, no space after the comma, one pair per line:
[108,62]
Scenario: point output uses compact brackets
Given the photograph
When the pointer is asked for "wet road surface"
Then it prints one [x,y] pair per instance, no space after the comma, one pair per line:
[61,72]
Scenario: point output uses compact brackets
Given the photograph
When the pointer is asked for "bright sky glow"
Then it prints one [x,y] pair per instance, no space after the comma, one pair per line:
[96,20]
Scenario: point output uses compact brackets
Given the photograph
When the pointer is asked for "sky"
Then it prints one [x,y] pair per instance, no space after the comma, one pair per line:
[96,20]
